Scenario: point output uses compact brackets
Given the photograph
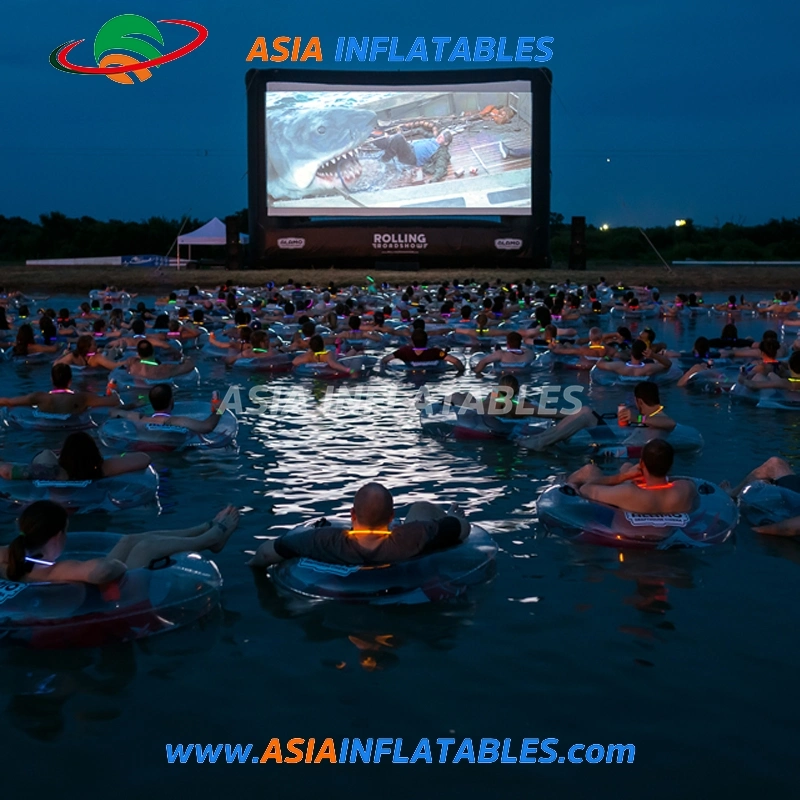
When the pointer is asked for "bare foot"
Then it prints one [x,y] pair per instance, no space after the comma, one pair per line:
[778,529]
[227,520]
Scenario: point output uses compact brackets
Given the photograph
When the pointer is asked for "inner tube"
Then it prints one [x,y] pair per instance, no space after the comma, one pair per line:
[125,380]
[504,368]
[447,423]
[81,497]
[31,419]
[361,365]
[781,399]
[169,595]
[689,359]
[615,441]
[279,363]
[763,503]
[128,435]
[713,380]
[565,513]
[603,377]
[419,367]
[441,575]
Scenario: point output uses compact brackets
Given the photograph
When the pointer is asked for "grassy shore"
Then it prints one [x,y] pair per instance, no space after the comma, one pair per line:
[79,280]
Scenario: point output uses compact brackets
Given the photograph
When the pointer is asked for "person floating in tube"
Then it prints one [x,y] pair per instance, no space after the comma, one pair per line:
[432,155]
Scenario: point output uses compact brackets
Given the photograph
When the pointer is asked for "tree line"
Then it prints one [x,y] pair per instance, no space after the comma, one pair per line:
[57,236]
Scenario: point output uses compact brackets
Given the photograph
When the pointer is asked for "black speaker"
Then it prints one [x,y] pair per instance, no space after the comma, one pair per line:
[577,245]
[233,250]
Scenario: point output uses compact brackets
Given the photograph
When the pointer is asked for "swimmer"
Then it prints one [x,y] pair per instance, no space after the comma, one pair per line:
[85,355]
[33,555]
[317,354]
[146,365]
[642,362]
[588,354]
[61,399]
[79,460]
[26,345]
[642,488]
[418,354]
[513,355]
[371,540]
[162,402]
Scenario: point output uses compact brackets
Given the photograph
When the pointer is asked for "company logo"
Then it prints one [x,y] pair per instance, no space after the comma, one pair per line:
[120,37]
[408,242]
[508,244]
[291,243]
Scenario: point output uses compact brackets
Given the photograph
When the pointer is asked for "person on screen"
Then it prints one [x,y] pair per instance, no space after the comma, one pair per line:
[507,151]
[433,155]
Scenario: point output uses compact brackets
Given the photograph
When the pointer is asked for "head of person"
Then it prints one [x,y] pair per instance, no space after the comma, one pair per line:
[378,318]
[373,508]
[595,335]
[513,340]
[542,316]
[98,326]
[354,322]
[646,395]
[648,335]
[730,332]
[466,312]
[144,349]
[161,398]
[315,344]
[61,376]
[769,348]
[80,458]
[162,322]
[260,339]
[509,385]
[444,139]
[638,349]
[419,338]
[418,324]
[794,363]
[198,315]
[138,326]
[625,334]
[550,332]
[657,458]
[42,537]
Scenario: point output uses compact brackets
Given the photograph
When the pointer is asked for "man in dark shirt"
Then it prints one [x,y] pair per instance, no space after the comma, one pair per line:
[370,539]
[418,354]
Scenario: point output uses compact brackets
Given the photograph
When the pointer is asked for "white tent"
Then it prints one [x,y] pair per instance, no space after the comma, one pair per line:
[212,232]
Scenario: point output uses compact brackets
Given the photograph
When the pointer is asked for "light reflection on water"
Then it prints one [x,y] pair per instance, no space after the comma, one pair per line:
[580,643]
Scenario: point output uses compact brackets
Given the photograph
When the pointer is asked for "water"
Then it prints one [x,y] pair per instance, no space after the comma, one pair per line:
[691,656]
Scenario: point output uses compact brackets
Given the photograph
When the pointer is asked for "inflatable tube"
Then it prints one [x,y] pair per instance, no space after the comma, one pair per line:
[687,359]
[279,363]
[81,497]
[615,441]
[450,422]
[125,380]
[602,377]
[419,367]
[441,575]
[197,343]
[713,380]
[496,368]
[763,503]
[565,513]
[634,313]
[31,419]
[781,399]
[130,436]
[360,365]
[171,594]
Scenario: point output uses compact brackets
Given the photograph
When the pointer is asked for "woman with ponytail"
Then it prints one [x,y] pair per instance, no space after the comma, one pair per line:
[33,555]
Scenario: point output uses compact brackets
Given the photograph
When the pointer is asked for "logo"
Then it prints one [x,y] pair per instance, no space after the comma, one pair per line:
[508,244]
[291,244]
[406,242]
[123,33]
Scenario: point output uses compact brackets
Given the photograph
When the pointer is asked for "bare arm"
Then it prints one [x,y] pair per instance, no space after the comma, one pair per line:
[455,362]
[98,401]
[265,555]
[26,400]
[119,465]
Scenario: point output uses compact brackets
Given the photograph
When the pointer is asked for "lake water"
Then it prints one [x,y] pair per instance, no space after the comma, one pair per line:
[690,656]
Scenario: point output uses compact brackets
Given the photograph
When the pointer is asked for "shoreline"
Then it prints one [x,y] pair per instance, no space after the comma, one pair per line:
[142,280]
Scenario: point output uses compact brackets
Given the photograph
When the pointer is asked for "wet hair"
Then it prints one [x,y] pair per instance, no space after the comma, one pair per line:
[99,325]
[24,339]
[160,397]
[80,458]
[648,333]
[162,322]
[542,316]
[770,347]
[419,338]
[647,392]
[240,318]
[138,326]
[47,328]
[378,318]
[513,339]
[418,324]
[657,456]
[259,339]
[144,349]
[625,333]
[309,328]
[61,375]
[729,332]
[638,348]
[316,344]
[510,381]
[373,506]
[794,362]
[198,315]
[38,524]
[769,335]
[84,345]
[354,322]
[466,312]
[701,346]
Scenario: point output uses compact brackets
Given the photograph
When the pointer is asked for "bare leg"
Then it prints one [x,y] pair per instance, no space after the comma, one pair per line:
[149,549]
[586,474]
[789,527]
[563,429]
[772,469]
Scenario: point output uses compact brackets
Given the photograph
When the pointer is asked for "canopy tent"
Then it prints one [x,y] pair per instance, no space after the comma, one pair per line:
[213,232]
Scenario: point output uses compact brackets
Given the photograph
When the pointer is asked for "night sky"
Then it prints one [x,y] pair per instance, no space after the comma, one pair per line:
[696,104]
